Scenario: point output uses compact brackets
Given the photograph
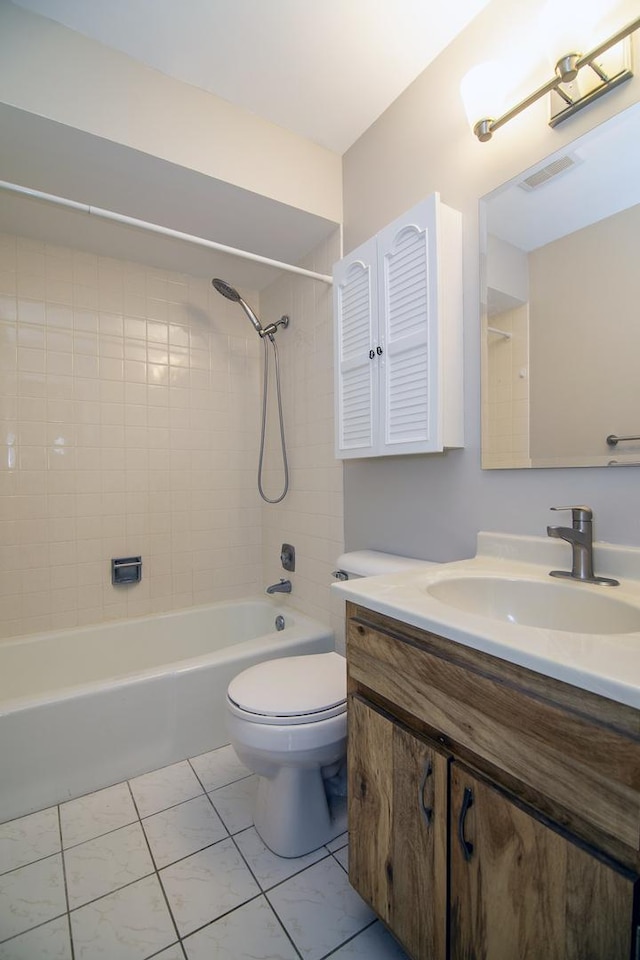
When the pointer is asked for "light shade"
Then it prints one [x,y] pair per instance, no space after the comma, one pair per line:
[571,26]
[482,91]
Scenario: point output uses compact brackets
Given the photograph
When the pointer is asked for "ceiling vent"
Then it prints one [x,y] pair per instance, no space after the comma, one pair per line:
[553,169]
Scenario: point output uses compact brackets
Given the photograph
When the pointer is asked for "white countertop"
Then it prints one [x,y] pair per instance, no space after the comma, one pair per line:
[606,664]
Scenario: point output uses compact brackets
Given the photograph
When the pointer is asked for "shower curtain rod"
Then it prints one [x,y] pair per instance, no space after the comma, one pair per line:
[156,228]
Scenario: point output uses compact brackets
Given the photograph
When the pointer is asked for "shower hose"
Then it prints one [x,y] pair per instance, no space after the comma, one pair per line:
[265,395]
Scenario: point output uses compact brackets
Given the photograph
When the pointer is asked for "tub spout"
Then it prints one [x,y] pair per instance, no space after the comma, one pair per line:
[283,587]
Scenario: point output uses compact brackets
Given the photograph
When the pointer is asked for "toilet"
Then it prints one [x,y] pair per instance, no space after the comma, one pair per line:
[287,721]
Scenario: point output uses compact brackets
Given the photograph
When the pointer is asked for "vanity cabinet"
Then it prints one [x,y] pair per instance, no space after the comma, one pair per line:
[398,337]
[520,888]
[398,851]
[494,813]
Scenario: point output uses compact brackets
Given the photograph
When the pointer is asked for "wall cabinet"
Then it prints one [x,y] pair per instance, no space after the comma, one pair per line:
[398,337]
[460,838]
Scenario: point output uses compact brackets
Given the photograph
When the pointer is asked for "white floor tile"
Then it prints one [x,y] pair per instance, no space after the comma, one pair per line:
[252,930]
[100,866]
[268,868]
[165,788]
[118,907]
[342,856]
[219,767]
[338,842]
[96,813]
[131,924]
[374,943]
[29,838]
[235,802]
[183,830]
[51,941]
[319,909]
[206,885]
[31,895]
[171,953]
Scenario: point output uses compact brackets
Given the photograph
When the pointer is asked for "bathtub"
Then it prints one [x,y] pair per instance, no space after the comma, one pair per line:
[85,708]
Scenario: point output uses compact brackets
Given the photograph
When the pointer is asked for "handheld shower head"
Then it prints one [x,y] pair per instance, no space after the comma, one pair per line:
[232,294]
[227,291]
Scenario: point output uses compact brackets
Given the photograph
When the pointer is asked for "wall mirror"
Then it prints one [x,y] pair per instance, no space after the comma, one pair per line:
[560,247]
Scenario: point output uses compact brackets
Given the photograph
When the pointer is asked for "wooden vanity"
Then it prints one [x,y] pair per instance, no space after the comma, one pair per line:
[494,812]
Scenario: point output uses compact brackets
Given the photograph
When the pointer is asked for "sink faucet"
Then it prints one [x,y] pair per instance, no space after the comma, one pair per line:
[580,536]
[283,587]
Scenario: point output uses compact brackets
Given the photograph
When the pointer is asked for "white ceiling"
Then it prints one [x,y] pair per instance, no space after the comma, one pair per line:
[325,69]
[604,181]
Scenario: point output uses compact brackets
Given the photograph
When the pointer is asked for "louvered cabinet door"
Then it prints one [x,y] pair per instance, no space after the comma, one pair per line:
[356,371]
[409,333]
[398,829]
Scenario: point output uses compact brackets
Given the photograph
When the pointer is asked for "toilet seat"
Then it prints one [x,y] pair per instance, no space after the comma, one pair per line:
[291,690]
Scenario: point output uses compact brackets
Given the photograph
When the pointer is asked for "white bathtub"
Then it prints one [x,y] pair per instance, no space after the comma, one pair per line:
[82,709]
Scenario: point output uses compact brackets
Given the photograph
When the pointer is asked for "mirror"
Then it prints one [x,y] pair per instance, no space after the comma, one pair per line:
[561,306]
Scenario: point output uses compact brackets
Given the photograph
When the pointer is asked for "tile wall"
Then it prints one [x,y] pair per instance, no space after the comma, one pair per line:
[128,416]
[311,516]
[505,434]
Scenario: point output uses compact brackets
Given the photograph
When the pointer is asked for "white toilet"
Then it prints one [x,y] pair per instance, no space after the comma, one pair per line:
[287,720]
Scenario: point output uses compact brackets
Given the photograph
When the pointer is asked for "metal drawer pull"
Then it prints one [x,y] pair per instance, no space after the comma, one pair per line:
[427,812]
[467,801]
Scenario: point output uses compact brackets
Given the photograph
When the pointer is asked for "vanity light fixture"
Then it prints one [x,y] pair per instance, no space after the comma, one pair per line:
[579,79]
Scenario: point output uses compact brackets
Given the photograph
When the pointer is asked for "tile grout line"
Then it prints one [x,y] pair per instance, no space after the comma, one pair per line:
[156,872]
[333,952]
[66,885]
[263,893]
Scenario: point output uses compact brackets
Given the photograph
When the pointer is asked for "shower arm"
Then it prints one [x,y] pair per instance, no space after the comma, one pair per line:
[269,330]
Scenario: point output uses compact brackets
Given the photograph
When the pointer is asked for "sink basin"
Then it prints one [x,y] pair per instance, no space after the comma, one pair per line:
[574,607]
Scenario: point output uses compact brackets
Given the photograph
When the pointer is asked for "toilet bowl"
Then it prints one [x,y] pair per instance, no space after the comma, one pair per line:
[287,721]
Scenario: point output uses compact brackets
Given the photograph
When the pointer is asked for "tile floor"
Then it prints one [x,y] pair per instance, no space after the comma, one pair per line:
[168,865]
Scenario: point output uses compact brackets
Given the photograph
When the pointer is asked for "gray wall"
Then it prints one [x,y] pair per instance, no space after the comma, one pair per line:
[433,506]
[585,291]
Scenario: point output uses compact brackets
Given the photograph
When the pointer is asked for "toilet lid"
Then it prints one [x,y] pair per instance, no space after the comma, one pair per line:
[292,686]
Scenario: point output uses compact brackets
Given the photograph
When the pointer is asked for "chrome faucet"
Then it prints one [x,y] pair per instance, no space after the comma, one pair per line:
[283,587]
[580,536]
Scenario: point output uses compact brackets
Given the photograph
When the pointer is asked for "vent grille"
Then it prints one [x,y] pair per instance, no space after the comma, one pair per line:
[553,169]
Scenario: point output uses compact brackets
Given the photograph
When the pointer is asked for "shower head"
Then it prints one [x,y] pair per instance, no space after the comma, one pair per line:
[232,294]
[229,292]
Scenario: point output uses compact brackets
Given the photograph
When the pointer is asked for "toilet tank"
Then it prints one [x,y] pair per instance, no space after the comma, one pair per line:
[373,563]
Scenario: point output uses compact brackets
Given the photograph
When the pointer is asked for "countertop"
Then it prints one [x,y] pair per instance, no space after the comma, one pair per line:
[606,664]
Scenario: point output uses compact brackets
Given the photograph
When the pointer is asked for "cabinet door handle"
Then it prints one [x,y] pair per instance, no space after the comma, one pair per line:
[467,801]
[427,812]
[379,351]
[371,354]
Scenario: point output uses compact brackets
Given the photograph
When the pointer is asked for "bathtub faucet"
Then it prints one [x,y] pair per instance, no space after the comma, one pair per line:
[283,587]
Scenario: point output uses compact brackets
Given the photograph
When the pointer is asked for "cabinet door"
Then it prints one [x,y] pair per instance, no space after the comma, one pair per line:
[409,336]
[356,371]
[519,889]
[397,829]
